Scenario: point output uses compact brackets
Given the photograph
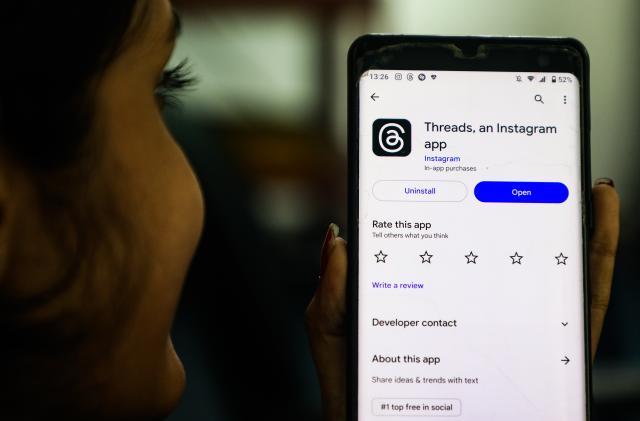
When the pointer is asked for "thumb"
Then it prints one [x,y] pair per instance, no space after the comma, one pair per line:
[602,253]
[325,323]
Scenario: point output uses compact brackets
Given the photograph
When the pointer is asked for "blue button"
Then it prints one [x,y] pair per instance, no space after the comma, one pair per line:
[521,192]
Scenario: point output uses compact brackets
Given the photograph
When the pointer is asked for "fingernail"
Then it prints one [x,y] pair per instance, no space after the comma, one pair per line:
[605,180]
[329,240]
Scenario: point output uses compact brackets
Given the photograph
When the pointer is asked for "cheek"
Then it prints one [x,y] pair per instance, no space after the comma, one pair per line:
[162,200]
[162,192]
[155,186]
[166,212]
[175,215]
[182,208]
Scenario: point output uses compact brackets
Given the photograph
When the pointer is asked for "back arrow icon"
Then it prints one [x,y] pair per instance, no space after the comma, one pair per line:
[565,360]
[374,96]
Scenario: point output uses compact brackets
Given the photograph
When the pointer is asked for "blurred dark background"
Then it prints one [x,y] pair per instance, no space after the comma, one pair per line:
[266,132]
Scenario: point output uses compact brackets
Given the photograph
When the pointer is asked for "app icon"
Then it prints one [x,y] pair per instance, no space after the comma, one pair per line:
[391,137]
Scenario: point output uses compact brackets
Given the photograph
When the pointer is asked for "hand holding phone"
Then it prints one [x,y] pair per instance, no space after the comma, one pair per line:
[392,139]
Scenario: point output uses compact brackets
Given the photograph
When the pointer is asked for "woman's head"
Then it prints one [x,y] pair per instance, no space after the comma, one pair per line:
[100,212]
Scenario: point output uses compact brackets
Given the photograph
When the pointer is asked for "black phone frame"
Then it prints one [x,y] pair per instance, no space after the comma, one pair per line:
[420,52]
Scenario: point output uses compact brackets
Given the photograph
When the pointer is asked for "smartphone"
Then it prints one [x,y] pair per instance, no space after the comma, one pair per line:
[469,210]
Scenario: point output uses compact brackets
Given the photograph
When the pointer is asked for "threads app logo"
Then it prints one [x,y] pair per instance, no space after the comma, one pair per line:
[391,137]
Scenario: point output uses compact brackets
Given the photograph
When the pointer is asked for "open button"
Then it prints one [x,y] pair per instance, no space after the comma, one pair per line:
[521,192]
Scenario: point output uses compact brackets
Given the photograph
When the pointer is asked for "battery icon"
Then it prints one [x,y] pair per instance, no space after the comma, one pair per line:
[553,79]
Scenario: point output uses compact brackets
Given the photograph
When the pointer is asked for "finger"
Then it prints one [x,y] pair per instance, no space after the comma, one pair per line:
[325,322]
[327,308]
[602,252]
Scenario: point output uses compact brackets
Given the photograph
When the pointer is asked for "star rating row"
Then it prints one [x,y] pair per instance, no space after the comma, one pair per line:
[472,258]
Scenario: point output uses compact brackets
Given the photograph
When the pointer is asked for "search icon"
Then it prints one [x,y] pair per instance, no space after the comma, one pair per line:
[538,98]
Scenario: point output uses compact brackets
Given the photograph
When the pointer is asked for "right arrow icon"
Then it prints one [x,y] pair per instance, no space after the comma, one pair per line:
[565,360]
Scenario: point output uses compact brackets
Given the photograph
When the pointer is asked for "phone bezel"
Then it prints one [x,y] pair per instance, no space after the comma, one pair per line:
[417,52]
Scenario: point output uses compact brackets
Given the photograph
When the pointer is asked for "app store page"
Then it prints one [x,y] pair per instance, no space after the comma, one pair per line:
[470,247]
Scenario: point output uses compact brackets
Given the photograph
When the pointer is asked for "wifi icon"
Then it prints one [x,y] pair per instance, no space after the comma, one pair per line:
[530,78]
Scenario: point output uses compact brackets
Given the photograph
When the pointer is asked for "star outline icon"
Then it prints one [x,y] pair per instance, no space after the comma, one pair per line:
[471,258]
[381,257]
[516,259]
[561,259]
[426,257]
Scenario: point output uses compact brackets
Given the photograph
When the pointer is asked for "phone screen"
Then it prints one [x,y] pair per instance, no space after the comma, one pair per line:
[470,256]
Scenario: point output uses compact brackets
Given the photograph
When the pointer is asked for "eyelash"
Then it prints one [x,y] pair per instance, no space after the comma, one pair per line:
[173,82]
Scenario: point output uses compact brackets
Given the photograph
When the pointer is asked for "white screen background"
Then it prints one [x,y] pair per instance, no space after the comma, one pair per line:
[510,333]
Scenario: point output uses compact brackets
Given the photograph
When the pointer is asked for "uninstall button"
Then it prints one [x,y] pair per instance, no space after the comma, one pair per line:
[419,191]
[417,407]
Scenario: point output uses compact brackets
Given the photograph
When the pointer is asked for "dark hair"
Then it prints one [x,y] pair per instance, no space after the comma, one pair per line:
[54,54]
[54,51]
